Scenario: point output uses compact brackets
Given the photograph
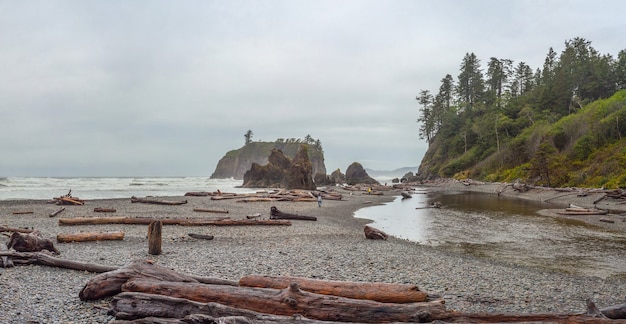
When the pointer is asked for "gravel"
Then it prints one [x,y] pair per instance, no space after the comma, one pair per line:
[331,248]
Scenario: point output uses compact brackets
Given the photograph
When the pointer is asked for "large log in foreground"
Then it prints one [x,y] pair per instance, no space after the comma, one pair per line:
[277,214]
[377,291]
[90,236]
[292,301]
[167,221]
[374,233]
[134,305]
[110,283]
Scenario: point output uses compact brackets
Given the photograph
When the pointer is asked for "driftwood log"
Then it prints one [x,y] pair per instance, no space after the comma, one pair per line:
[110,283]
[154,237]
[23,212]
[374,233]
[6,261]
[15,229]
[68,201]
[277,214]
[167,221]
[90,236]
[134,199]
[210,210]
[31,242]
[151,308]
[104,210]
[292,301]
[41,258]
[200,236]
[381,292]
[58,211]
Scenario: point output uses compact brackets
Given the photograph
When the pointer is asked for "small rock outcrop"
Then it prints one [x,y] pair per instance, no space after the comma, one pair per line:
[282,172]
[356,174]
[338,177]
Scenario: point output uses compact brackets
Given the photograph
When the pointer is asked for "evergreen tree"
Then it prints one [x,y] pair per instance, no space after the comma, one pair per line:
[248,137]
[470,86]
[426,119]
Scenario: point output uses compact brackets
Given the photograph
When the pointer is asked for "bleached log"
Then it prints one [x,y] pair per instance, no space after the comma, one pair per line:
[377,291]
[210,210]
[14,229]
[23,212]
[90,236]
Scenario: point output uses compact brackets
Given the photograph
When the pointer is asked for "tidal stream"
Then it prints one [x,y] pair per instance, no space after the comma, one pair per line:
[503,229]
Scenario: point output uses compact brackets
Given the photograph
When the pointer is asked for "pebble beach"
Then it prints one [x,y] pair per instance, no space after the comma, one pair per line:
[333,247]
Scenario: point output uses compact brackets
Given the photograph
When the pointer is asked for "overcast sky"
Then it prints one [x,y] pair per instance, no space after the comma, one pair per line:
[166,88]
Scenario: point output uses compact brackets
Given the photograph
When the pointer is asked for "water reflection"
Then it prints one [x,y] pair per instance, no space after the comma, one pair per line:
[503,229]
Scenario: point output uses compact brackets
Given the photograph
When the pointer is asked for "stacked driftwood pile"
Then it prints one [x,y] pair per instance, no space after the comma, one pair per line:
[275,195]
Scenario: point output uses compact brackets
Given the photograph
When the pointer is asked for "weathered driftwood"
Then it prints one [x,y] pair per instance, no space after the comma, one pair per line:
[110,283]
[167,221]
[58,211]
[41,258]
[198,194]
[277,214]
[200,236]
[164,309]
[374,233]
[68,201]
[23,212]
[104,210]
[90,236]
[134,199]
[155,228]
[381,292]
[15,229]
[292,301]
[6,261]
[31,242]
[210,210]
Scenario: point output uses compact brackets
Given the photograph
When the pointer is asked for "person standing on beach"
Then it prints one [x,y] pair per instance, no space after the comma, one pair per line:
[319,200]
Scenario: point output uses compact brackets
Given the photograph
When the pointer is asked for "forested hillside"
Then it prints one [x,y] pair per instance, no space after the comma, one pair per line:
[562,124]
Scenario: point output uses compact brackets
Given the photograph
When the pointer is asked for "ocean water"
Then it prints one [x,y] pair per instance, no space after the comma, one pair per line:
[18,188]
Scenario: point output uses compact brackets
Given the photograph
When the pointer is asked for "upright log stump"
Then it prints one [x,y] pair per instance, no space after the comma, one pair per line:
[154,237]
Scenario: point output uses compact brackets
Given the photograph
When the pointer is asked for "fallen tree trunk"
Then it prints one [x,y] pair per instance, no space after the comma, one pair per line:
[166,221]
[41,258]
[292,301]
[14,229]
[110,283]
[23,212]
[381,292]
[277,214]
[210,210]
[134,305]
[104,210]
[198,193]
[90,236]
[57,212]
[134,199]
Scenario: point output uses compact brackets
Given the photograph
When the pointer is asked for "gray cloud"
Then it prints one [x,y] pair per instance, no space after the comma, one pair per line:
[164,88]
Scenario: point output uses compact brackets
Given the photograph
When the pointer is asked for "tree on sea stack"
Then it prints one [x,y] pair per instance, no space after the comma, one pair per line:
[248,137]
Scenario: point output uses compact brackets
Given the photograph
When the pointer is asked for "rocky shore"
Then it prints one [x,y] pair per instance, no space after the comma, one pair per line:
[333,247]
